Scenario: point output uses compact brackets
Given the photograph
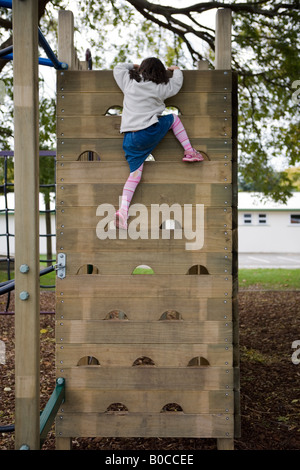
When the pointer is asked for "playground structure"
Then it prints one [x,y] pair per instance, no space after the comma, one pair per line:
[129,347]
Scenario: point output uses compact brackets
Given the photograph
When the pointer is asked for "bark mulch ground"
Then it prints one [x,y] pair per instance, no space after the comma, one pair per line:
[270,379]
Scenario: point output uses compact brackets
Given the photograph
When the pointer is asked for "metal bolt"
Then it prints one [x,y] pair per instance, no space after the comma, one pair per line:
[24,295]
[24,447]
[24,268]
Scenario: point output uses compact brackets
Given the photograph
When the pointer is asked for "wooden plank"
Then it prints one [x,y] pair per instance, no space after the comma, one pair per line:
[81,200]
[109,126]
[149,378]
[88,240]
[130,332]
[125,355]
[201,104]
[191,402]
[96,80]
[154,172]
[148,286]
[145,425]
[89,216]
[168,150]
[98,104]
[161,263]
[25,38]
[223,39]
[137,309]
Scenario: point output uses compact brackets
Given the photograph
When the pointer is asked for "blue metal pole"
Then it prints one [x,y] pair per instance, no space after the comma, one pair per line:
[43,43]
[7,50]
[50,54]
[42,61]
[6,3]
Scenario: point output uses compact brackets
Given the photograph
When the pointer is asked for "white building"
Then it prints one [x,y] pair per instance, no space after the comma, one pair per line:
[266,226]
[11,225]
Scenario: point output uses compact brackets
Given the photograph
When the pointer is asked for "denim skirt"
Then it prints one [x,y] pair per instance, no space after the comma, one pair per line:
[138,145]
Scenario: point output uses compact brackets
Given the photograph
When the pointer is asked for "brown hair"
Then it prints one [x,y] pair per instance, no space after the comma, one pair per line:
[151,69]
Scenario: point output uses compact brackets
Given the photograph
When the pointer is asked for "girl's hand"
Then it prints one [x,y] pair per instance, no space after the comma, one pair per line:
[173,67]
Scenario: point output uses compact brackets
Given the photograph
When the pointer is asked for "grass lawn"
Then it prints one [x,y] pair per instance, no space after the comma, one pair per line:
[270,279]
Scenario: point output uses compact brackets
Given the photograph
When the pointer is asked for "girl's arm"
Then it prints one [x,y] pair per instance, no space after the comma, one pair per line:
[121,74]
[175,82]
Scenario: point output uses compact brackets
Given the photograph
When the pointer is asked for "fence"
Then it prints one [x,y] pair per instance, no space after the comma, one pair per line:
[7,187]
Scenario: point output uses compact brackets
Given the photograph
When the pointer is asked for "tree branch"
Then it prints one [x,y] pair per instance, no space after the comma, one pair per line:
[6,24]
[250,7]
[171,22]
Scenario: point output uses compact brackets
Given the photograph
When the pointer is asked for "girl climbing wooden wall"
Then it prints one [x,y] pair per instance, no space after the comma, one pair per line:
[147,355]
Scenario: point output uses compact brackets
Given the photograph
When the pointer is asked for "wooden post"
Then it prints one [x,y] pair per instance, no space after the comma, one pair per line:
[202,64]
[223,62]
[66,51]
[223,40]
[27,315]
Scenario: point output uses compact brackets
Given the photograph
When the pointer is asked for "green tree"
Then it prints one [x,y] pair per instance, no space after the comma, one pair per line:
[265,53]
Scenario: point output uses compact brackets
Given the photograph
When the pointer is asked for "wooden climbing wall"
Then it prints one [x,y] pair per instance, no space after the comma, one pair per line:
[151,355]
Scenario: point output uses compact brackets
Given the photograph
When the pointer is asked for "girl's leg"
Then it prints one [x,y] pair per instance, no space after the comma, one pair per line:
[180,133]
[190,154]
[127,195]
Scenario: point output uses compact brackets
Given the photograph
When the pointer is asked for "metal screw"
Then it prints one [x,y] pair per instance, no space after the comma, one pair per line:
[24,268]
[24,447]
[24,295]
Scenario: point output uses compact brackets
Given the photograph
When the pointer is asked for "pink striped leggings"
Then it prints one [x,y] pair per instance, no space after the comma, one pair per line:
[135,177]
